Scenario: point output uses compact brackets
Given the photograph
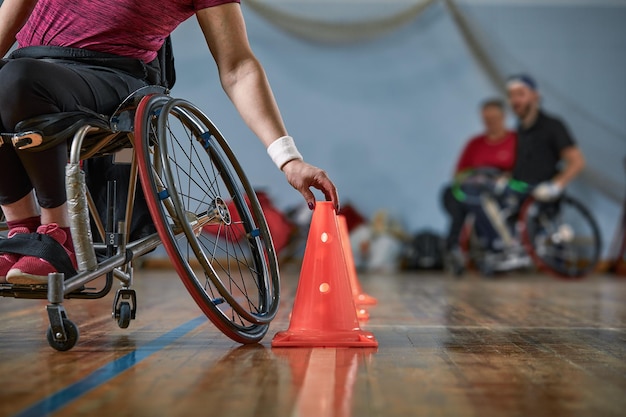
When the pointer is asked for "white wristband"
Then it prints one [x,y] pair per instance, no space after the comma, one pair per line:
[283,150]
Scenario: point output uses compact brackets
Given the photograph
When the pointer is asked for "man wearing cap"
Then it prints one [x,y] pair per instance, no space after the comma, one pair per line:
[543,144]
[547,159]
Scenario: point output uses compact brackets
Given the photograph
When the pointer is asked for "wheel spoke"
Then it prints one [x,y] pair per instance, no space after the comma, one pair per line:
[565,236]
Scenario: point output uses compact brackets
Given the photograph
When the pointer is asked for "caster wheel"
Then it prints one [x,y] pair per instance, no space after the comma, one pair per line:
[455,262]
[123,320]
[487,270]
[458,270]
[71,331]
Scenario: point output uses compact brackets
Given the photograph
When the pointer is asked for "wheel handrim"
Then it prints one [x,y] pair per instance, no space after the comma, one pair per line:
[205,293]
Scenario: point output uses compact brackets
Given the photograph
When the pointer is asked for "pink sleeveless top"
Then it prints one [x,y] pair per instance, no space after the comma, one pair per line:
[131,28]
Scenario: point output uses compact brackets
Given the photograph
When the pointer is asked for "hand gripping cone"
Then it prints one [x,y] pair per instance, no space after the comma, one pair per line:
[360,297]
[324,314]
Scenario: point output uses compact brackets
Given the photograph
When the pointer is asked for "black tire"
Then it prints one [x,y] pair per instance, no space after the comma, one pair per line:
[191,176]
[124,317]
[72,333]
[486,269]
[562,236]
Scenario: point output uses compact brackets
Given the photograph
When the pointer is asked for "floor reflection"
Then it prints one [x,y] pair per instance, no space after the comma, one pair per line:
[324,378]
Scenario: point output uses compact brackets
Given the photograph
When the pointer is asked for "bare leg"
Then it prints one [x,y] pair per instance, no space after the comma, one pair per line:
[27,207]
[22,209]
[56,215]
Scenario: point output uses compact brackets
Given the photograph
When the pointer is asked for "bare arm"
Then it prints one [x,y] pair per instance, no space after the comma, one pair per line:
[241,74]
[574,163]
[13,15]
[244,81]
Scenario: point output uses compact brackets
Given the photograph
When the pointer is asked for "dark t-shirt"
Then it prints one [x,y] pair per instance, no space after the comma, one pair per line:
[539,149]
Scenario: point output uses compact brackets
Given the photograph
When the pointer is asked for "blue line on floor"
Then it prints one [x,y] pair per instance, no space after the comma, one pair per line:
[107,372]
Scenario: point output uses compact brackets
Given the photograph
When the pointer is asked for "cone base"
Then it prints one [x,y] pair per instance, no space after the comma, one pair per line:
[365,300]
[307,338]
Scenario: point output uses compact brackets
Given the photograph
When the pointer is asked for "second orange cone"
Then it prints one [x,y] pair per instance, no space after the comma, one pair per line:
[360,297]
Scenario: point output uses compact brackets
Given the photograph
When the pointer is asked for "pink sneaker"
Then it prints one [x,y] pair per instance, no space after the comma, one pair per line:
[32,270]
[7,260]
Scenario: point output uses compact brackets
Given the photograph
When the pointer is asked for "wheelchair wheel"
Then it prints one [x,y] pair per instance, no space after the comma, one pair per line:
[472,248]
[72,334]
[193,182]
[561,236]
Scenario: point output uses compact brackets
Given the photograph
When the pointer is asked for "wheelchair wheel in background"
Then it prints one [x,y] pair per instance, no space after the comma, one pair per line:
[473,254]
[561,236]
[193,181]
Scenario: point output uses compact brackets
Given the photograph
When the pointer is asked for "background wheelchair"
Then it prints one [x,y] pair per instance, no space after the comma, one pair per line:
[191,180]
[560,237]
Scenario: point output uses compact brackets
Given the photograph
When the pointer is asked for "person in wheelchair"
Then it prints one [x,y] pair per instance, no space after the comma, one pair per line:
[484,159]
[547,159]
[91,55]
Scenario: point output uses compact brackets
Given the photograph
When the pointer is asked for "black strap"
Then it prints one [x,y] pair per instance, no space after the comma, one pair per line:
[132,66]
[41,246]
[165,58]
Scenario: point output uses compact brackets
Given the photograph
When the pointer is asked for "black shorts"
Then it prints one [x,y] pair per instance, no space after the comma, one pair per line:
[32,87]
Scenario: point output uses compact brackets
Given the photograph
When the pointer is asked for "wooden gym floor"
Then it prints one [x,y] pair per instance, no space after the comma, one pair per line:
[519,345]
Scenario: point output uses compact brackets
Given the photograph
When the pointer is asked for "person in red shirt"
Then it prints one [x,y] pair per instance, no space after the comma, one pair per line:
[495,148]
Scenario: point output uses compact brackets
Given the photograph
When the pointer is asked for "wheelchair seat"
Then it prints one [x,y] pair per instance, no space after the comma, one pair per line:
[43,132]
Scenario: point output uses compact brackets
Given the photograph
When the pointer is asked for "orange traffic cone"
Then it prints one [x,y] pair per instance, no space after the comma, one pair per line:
[360,298]
[324,314]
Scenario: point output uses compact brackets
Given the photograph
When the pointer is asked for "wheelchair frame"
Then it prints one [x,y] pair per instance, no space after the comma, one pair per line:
[89,141]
